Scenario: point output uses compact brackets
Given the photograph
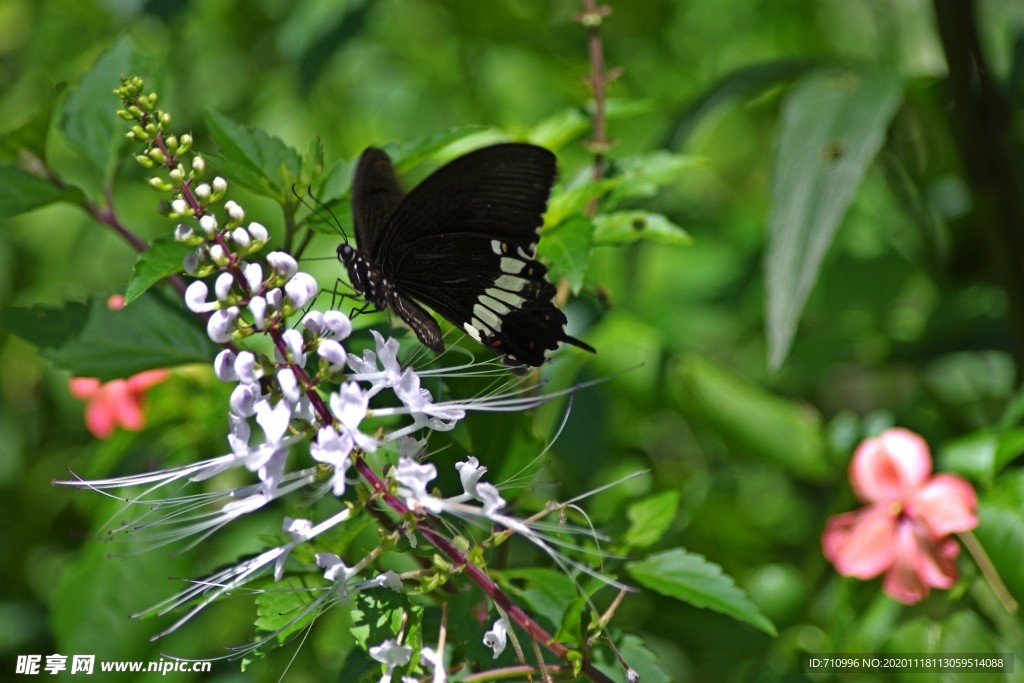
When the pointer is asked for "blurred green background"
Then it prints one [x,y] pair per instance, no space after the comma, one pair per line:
[907,325]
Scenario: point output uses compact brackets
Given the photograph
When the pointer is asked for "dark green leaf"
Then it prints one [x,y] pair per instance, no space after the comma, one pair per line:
[312,163]
[548,593]
[567,249]
[280,614]
[635,652]
[956,634]
[750,419]
[1001,529]
[832,127]
[565,202]
[624,227]
[650,518]
[691,578]
[88,119]
[21,191]
[981,455]
[379,614]
[163,258]
[148,334]
[43,326]
[255,159]
[29,139]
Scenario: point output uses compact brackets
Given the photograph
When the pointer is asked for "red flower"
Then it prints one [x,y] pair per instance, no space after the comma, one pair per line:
[905,529]
[118,402]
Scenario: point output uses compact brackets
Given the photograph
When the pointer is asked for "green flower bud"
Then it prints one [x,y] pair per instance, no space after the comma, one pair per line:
[151,129]
[157,155]
[125,114]
[198,163]
[177,175]
[144,161]
[184,143]
[139,133]
[165,120]
[160,185]
[172,143]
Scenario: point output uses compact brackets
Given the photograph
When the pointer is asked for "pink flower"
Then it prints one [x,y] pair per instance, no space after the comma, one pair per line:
[905,529]
[117,402]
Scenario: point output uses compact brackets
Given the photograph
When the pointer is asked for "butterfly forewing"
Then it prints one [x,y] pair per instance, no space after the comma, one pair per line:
[462,242]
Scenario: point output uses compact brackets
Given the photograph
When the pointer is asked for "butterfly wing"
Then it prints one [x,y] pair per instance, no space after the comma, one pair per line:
[376,195]
[462,242]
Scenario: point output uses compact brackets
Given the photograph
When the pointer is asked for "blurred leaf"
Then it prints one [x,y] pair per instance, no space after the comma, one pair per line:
[44,326]
[832,127]
[29,139]
[88,119]
[567,249]
[548,593]
[982,454]
[21,191]
[750,419]
[163,258]
[642,175]
[691,578]
[1001,529]
[406,155]
[624,227]
[337,181]
[931,226]
[650,518]
[148,334]
[641,659]
[312,163]
[565,202]
[956,634]
[255,159]
[625,107]
[558,130]
[743,83]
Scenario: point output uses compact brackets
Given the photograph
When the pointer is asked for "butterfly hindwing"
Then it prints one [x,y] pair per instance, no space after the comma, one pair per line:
[376,195]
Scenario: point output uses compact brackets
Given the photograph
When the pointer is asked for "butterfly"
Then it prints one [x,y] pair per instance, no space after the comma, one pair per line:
[462,242]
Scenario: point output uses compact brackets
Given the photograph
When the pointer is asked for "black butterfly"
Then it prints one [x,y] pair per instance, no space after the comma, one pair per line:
[461,242]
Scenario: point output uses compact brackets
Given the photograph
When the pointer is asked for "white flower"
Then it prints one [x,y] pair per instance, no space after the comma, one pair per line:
[258,232]
[243,400]
[246,369]
[209,224]
[183,233]
[283,264]
[389,579]
[293,342]
[222,286]
[415,477]
[253,273]
[179,206]
[301,289]
[349,405]
[333,449]
[300,531]
[195,298]
[258,308]
[338,323]
[435,660]
[241,238]
[470,473]
[198,164]
[221,325]
[275,298]
[289,385]
[193,260]
[224,366]
[202,190]
[497,637]
[332,352]
[314,322]
[238,436]
[273,419]
[488,495]
[234,210]
[219,255]
[391,655]
[219,184]
[334,568]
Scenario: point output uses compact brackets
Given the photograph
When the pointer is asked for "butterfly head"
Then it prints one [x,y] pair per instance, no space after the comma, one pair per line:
[346,254]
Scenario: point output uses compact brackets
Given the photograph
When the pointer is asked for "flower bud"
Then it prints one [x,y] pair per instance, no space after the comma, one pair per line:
[198,162]
[185,144]
[258,233]
[222,286]
[209,225]
[219,255]
[241,238]
[159,184]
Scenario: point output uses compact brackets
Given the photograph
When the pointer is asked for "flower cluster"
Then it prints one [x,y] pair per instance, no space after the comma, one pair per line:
[905,531]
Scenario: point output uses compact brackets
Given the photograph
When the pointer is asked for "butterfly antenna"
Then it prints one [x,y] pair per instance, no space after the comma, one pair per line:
[319,212]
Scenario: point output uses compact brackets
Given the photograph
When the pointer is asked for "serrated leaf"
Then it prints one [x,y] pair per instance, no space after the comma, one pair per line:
[832,128]
[559,129]
[280,614]
[378,615]
[641,659]
[691,578]
[567,249]
[650,518]
[312,163]
[88,118]
[148,334]
[641,176]
[547,594]
[337,181]
[30,137]
[21,191]
[162,259]
[624,227]
[255,159]
[44,326]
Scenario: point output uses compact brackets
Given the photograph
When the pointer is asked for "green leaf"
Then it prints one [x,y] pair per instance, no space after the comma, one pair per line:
[312,163]
[750,419]
[1001,529]
[337,182]
[641,659]
[624,227]
[567,249]
[21,191]
[650,518]
[832,128]
[547,594]
[88,119]
[641,176]
[379,614]
[255,159]
[565,202]
[406,155]
[162,259]
[982,454]
[44,326]
[956,634]
[29,139]
[559,129]
[114,344]
[280,614]
[691,578]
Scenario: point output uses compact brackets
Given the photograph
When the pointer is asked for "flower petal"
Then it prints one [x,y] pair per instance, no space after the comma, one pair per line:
[83,387]
[889,465]
[945,505]
[861,543]
[903,582]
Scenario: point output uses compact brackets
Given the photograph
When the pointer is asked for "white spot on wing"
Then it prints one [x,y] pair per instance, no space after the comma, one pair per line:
[481,328]
[472,331]
[487,316]
[508,297]
[496,247]
[510,283]
[494,305]
[512,265]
